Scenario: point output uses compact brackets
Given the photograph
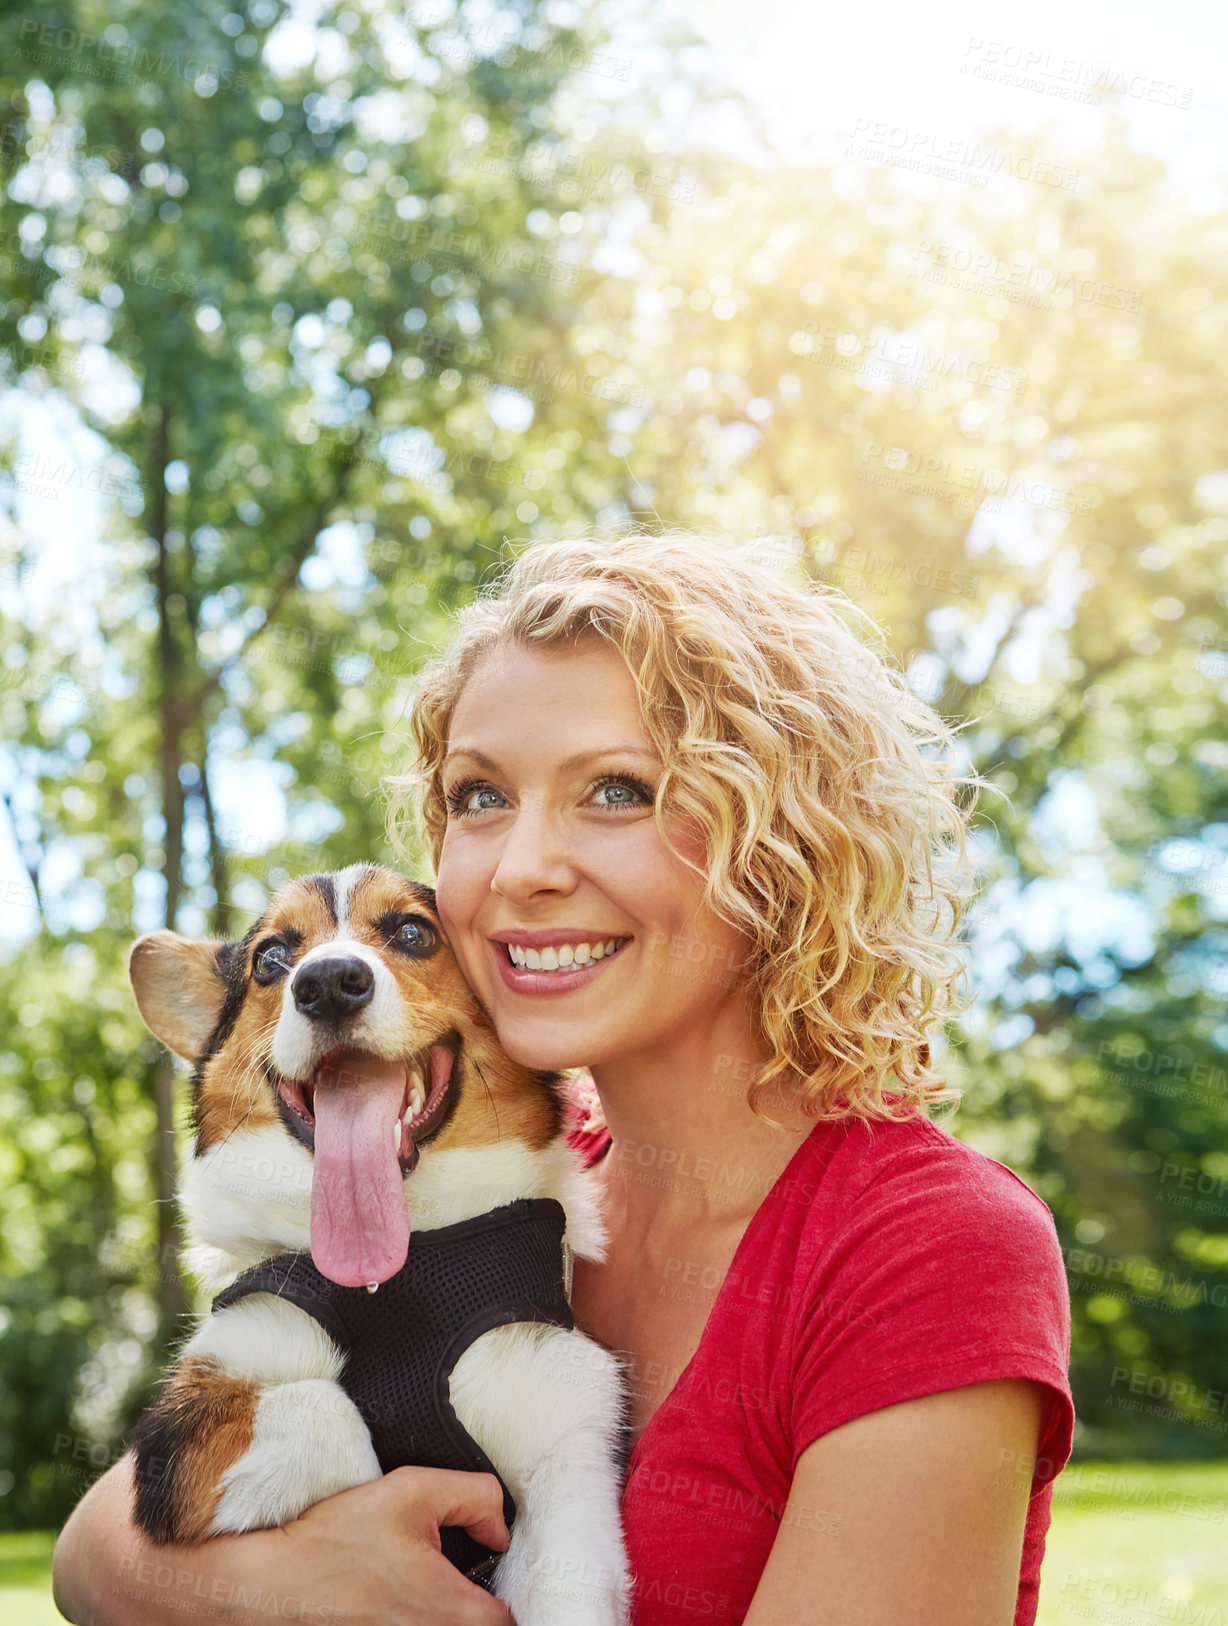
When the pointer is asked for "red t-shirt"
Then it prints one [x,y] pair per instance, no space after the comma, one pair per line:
[889,1261]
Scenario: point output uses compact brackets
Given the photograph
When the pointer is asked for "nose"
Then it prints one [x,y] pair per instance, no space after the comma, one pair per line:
[533,858]
[332,990]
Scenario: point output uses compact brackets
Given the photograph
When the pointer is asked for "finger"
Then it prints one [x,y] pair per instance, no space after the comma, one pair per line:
[472,1500]
[488,1611]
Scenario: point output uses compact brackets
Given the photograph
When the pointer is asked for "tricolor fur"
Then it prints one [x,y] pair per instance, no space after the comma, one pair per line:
[252,1427]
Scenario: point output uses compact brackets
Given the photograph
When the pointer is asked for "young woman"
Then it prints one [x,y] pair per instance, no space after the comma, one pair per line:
[846,1332]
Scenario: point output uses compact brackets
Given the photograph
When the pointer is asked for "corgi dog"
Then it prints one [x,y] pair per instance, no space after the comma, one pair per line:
[390,1208]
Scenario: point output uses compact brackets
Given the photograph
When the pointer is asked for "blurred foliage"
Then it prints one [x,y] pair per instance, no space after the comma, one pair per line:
[317,338]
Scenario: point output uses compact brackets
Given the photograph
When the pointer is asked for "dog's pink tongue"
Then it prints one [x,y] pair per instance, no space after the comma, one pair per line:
[359,1217]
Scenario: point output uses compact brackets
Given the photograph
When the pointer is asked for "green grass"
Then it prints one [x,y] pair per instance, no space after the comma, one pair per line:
[1132,1544]
[25,1580]
[1143,1544]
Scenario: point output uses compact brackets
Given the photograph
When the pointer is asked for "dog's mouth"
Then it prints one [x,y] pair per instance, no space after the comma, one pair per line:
[363,1118]
[426,1094]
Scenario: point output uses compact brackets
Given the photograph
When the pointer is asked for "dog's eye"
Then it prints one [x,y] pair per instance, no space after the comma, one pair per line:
[416,937]
[271,960]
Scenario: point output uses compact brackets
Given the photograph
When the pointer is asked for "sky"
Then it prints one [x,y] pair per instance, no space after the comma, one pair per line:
[821,75]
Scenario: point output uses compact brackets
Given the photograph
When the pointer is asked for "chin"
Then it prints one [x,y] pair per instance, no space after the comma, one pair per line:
[541,1057]
[541,1045]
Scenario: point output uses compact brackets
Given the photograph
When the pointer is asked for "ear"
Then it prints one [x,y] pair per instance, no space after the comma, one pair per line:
[179,986]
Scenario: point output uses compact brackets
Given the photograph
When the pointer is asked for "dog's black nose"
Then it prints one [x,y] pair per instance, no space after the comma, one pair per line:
[331,990]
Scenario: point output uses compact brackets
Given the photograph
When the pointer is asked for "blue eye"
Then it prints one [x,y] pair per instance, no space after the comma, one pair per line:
[631,793]
[461,800]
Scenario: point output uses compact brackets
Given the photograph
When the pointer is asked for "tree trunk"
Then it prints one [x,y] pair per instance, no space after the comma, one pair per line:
[171,1297]
[217,853]
[219,869]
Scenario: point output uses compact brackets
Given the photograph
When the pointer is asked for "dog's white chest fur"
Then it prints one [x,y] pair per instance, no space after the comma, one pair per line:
[545,1404]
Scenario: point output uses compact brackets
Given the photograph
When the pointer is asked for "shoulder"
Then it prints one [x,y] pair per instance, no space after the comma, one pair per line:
[916,1173]
[927,1266]
[922,1215]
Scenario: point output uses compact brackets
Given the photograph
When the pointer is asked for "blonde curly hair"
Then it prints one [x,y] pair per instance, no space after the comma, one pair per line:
[823,787]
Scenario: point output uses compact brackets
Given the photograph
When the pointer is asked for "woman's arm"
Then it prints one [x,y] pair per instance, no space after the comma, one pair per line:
[367,1557]
[909,1516]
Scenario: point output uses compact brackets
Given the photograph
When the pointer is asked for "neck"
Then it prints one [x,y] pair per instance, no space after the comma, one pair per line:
[686,1147]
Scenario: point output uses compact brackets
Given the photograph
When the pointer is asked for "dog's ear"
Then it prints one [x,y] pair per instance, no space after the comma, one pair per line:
[180,985]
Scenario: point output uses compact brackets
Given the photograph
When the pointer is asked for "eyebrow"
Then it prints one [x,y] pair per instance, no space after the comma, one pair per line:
[577,761]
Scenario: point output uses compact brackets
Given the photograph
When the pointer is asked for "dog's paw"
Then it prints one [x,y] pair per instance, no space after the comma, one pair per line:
[309,1442]
[544,1588]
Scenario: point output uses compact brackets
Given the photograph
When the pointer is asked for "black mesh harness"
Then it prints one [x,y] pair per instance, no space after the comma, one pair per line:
[401,1343]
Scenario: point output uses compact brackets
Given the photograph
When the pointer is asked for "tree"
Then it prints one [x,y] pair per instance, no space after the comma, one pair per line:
[240,277]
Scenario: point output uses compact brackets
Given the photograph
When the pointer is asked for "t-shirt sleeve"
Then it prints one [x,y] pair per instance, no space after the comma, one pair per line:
[945,1271]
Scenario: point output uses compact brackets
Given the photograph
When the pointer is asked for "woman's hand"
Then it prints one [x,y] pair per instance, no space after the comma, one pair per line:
[375,1550]
[367,1557]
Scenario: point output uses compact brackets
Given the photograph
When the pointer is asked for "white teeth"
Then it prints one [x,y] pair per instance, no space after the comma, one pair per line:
[396,1136]
[372,1286]
[416,1099]
[563,957]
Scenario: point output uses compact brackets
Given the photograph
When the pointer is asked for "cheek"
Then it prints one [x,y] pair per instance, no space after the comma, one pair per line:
[453,904]
[672,893]
[450,888]
[689,841]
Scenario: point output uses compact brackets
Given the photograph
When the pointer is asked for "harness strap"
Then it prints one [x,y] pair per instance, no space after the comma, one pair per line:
[401,1343]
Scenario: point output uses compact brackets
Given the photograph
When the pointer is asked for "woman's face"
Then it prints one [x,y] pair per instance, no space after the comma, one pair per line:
[583,936]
